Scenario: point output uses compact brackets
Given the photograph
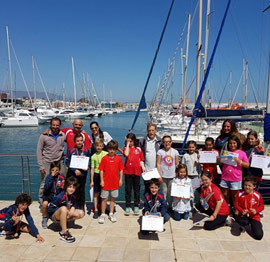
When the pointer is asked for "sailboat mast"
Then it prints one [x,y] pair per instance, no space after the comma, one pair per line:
[34,81]
[74,84]
[10,75]
[268,92]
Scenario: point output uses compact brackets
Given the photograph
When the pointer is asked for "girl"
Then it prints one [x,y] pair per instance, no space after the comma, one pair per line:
[132,170]
[54,183]
[254,148]
[211,167]
[78,150]
[231,177]
[63,208]
[182,206]
[212,203]
[167,160]
[193,166]
[95,176]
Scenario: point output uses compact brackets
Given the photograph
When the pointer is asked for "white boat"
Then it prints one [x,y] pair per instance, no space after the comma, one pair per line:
[20,118]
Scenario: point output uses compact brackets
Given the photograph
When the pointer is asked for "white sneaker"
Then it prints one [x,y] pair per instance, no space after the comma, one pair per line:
[229,221]
[101,219]
[112,218]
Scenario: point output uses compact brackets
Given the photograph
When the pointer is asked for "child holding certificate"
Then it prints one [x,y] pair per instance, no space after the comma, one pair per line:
[79,150]
[248,205]
[212,203]
[133,165]
[211,167]
[254,148]
[231,177]
[181,204]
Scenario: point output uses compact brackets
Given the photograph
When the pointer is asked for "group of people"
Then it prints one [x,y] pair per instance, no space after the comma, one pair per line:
[62,189]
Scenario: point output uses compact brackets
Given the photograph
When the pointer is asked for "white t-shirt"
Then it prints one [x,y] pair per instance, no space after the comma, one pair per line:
[167,166]
[107,138]
[150,154]
[193,165]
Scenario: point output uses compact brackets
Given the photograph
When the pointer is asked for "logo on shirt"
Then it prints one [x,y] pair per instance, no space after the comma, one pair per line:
[168,160]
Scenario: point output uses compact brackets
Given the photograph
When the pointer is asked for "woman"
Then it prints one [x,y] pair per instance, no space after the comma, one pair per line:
[228,129]
[98,133]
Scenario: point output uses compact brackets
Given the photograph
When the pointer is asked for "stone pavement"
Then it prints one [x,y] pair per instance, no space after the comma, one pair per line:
[122,241]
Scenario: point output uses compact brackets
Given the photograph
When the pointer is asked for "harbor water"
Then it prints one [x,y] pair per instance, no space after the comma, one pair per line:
[24,141]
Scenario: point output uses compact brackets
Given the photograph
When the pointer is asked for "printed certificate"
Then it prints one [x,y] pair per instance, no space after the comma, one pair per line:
[260,161]
[208,156]
[227,158]
[152,223]
[148,175]
[80,162]
[180,190]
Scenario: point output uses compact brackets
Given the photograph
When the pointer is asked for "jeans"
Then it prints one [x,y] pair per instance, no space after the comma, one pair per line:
[178,216]
[132,181]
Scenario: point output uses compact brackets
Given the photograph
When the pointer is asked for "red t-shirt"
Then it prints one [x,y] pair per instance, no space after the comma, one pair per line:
[111,167]
[217,196]
[211,167]
[247,201]
[132,163]
[70,138]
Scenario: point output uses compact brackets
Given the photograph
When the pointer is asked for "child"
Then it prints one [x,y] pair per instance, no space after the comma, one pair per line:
[109,167]
[231,177]
[182,206]
[79,150]
[95,176]
[155,201]
[63,208]
[254,148]
[193,166]
[54,183]
[167,160]
[211,167]
[248,204]
[13,218]
[212,203]
[133,164]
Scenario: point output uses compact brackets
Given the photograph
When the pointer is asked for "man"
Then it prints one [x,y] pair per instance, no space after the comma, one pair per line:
[50,150]
[71,132]
[150,145]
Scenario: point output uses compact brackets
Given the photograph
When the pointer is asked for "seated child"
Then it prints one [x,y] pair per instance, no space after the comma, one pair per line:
[212,203]
[54,183]
[182,206]
[13,218]
[109,167]
[155,201]
[248,204]
[95,173]
[63,208]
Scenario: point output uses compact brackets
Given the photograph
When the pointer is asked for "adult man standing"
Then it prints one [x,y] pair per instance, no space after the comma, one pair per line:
[50,150]
[150,145]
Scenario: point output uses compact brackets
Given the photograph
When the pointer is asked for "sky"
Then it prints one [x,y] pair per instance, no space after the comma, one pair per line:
[114,41]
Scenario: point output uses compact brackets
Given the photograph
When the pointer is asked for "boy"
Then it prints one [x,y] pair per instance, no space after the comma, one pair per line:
[79,150]
[95,176]
[248,204]
[155,201]
[109,167]
[13,218]
[63,208]
[54,183]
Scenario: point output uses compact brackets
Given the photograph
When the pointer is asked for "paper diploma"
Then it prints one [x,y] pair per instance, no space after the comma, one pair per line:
[227,158]
[79,162]
[208,156]
[200,221]
[148,175]
[180,190]
[260,161]
[152,223]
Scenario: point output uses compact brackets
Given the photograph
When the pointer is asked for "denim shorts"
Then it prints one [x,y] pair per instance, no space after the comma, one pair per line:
[232,185]
[107,193]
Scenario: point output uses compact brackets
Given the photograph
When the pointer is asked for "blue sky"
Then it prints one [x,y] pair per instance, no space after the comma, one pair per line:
[115,41]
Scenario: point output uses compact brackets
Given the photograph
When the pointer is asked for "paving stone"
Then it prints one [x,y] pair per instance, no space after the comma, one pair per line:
[63,253]
[111,254]
[210,256]
[162,255]
[187,256]
[136,254]
[86,253]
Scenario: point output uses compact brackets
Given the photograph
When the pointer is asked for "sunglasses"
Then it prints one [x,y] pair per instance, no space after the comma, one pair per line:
[93,128]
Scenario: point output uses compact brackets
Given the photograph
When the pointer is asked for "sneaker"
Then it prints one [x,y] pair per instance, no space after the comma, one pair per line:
[242,229]
[66,236]
[3,233]
[101,219]
[229,221]
[136,211]
[95,216]
[127,211]
[112,217]
[44,222]
[261,214]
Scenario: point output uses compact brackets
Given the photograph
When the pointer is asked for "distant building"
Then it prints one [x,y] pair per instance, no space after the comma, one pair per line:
[130,106]
[105,104]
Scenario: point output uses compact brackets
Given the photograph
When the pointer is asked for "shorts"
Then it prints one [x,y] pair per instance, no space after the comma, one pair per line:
[48,198]
[232,185]
[107,193]
[53,218]
[97,187]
